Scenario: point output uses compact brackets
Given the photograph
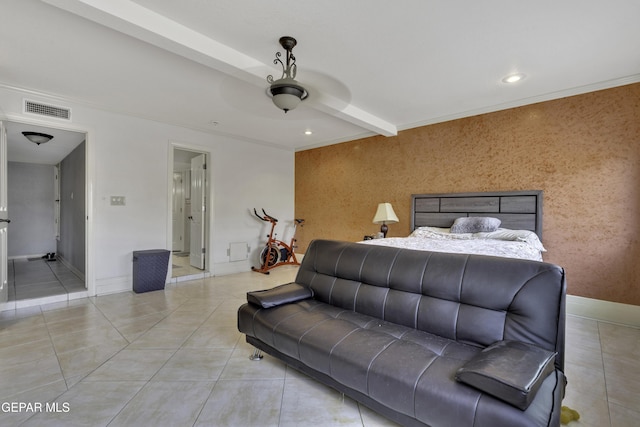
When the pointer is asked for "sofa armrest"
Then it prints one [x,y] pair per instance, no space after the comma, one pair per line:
[512,371]
[279,295]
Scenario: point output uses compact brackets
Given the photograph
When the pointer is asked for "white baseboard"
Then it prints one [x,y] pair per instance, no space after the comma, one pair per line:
[25,257]
[188,278]
[605,311]
[73,269]
[114,285]
[226,268]
[9,305]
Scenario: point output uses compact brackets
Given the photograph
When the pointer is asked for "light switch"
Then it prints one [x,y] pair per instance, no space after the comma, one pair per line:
[117,201]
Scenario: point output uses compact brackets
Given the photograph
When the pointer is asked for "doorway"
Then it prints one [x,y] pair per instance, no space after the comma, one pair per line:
[45,256]
[189,213]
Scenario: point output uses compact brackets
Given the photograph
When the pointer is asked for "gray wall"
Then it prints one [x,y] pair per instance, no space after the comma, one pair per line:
[30,192]
[71,245]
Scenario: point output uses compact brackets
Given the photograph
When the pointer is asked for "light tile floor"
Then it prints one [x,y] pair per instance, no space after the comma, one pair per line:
[38,278]
[181,265]
[175,358]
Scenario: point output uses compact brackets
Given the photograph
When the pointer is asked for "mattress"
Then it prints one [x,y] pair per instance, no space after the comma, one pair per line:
[505,243]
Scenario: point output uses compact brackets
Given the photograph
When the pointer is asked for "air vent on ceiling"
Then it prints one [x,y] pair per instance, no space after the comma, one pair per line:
[47,110]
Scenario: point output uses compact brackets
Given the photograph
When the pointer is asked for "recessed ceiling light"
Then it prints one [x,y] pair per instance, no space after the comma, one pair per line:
[512,78]
[308,132]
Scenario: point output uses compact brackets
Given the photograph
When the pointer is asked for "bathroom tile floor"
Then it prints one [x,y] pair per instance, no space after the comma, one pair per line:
[175,358]
[38,278]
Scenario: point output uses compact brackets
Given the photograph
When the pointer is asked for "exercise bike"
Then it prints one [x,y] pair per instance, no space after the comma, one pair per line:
[276,252]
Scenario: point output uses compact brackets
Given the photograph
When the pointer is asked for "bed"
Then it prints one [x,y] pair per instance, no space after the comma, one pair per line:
[505,224]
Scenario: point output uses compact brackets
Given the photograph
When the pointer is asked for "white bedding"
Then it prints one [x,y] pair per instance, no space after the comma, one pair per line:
[503,242]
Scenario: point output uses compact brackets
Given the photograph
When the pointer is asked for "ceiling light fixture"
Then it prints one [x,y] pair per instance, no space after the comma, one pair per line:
[512,78]
[37,137]
[286,92]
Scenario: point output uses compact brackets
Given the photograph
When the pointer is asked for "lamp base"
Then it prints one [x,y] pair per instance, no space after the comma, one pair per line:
[384,228]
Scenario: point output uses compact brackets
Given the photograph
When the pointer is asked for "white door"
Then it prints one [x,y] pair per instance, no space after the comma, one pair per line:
[178,213]
[198,210]
[4,219]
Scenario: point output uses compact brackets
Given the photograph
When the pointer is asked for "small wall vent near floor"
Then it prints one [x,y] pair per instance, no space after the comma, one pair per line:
[41,109]
[238,251]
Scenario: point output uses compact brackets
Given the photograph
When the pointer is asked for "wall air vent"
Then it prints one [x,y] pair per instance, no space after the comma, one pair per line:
[41,109]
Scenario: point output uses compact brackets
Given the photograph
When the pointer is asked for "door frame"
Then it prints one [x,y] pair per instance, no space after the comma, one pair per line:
[172,145]
[89,159]
[4,216]
[198,211]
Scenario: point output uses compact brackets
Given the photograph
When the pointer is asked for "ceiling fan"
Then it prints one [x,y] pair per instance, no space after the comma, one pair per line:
[286,92]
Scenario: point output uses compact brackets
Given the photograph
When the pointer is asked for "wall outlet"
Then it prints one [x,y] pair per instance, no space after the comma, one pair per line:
[117,201]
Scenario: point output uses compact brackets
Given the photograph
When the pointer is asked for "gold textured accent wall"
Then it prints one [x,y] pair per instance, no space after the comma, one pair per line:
[582,151]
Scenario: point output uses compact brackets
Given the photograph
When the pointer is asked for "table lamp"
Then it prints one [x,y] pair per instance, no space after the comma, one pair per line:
[385,215]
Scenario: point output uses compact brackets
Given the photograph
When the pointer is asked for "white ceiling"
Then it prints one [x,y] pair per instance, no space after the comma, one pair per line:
[371,66]
[20,149]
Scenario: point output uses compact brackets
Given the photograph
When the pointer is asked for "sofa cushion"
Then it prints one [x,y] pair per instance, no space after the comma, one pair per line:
[282,294]
[509,370]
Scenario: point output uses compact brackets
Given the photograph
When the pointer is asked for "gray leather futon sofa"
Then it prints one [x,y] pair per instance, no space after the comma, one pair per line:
[424,338]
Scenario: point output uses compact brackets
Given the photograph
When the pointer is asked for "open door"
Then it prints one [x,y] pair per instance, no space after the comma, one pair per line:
[177,203]
[4,219]
[198,209]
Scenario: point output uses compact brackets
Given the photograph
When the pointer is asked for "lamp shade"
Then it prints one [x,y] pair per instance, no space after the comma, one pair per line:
[385,214]
[37,137]
[287,94]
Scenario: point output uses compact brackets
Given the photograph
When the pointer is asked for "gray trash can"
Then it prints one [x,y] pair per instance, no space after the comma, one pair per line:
[150,269]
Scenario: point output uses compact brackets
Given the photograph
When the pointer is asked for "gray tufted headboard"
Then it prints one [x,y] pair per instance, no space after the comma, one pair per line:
[518,210]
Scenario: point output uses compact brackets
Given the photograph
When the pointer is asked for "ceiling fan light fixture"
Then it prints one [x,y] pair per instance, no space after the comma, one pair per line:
[286,92]
[37,137]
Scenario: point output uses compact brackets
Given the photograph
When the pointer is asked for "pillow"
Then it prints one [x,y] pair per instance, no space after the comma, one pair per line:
[279,295]
[512,371]
[525,236]
[475,224]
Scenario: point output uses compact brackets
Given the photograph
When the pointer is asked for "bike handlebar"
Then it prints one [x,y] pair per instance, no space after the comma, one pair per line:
[256,214]
[266,216]
[269,217]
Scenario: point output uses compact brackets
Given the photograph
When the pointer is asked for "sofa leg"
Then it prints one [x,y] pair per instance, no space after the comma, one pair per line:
[257,355]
